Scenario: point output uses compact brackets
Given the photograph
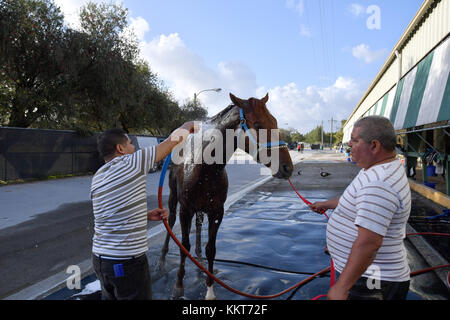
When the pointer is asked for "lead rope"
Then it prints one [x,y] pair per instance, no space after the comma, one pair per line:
[333,270]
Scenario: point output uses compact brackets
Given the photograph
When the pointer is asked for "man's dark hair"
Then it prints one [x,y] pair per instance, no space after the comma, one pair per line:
[108,140]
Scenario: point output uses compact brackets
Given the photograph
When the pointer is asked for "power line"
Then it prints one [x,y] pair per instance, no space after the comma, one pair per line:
[322,34]
[311,37]
[333,32]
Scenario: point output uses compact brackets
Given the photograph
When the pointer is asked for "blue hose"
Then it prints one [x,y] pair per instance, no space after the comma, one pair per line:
[164,170]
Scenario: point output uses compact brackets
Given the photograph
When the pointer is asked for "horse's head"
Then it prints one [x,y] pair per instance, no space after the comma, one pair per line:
[264,135]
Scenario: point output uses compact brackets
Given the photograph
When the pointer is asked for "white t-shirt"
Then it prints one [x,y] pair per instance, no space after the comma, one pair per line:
[119,198]
[378,199]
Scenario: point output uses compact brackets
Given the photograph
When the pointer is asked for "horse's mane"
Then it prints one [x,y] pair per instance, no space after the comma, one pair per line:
[222,113]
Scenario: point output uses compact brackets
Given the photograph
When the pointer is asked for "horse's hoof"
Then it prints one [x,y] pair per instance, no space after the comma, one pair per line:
[210,294]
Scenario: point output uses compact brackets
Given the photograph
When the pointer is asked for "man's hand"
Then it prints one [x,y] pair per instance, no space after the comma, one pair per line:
[157,214]
[318,207]
[321,206]
[191,126]
[176,137]
[336,293]
[186,129]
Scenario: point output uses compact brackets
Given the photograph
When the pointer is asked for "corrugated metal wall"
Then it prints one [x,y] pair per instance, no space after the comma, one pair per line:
[430,33]
[426,35]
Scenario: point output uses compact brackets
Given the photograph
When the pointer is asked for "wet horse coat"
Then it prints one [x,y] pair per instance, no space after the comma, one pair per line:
[202,188]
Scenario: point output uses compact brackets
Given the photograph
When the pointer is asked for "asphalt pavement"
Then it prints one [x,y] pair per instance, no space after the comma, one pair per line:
[47,226]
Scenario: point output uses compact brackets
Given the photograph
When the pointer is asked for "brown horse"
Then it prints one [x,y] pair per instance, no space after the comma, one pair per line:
[202,188]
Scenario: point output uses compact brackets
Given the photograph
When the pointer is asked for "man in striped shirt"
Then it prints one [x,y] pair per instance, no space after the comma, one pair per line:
[119,199]
[366,230]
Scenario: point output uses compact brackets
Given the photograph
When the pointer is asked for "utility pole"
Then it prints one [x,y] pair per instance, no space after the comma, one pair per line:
[321,146]
[331,134]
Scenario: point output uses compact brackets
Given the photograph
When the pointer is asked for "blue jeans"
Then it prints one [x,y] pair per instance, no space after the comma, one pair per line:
[124,279]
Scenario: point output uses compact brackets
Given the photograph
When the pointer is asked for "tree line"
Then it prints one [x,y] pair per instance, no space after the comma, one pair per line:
[86,79]
[315,135]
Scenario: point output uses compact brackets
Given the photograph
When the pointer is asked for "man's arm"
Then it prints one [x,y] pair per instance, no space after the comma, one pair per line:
[363,253]
[176,137]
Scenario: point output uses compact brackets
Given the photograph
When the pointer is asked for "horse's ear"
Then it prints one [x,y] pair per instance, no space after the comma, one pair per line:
[236,101]
[266,98]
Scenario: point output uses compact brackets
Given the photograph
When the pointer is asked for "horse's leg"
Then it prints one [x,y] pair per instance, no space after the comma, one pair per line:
[185,221]
[214,220]
[198,234]
[171,220]
[173,201]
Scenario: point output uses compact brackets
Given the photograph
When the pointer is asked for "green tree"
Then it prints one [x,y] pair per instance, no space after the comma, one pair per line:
[297,137]
[90,79]
[106,71]
[285,135]
[339,136]
[315,135]
[30,60]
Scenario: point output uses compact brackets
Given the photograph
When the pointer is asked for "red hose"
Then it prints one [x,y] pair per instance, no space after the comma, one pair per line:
[172,235]
[416,273]
[332,278]
[409,234]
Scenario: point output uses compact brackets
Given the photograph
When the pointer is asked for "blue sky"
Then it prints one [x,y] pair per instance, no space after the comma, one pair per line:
[315,58]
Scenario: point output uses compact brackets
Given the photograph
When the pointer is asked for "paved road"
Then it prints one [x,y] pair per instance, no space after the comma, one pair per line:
[47,226]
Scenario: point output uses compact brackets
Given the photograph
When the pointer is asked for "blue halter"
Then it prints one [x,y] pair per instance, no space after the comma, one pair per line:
[243,127]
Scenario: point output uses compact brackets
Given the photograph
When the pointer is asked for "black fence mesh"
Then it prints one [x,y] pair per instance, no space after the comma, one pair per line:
[36,153]
[40,153]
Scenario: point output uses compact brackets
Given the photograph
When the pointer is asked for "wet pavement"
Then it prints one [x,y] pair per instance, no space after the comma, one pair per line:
[269,241]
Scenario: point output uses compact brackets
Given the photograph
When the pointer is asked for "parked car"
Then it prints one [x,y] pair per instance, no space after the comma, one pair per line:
[292,145]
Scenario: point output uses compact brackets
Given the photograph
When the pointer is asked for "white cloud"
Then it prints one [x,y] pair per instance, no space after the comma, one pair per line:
[304,109]
[356,9]
[297,5]
[186,73]
[140,27]
[305,31]
[363,52]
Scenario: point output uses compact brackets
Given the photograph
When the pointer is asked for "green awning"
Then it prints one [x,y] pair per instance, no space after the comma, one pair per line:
[422,96]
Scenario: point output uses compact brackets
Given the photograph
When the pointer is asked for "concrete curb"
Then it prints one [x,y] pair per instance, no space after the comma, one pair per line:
[50,285]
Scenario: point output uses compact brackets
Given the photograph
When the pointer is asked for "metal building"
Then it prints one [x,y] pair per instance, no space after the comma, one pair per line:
[412,89]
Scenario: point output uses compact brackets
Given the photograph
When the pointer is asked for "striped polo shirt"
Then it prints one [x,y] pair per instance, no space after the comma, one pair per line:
[119,199]
[378,199]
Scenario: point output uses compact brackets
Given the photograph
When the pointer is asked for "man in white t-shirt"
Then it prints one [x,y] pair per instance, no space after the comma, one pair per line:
[366,230]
